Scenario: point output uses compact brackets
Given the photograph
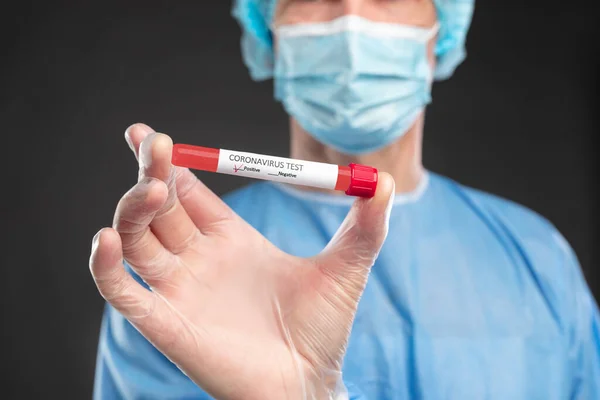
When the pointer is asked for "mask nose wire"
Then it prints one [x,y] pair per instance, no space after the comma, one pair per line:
[353,22]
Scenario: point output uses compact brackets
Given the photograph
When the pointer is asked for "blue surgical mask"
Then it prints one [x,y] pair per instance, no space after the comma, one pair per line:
[354,84]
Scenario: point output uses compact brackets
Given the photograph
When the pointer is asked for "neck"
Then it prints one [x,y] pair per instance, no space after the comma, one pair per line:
[401,159]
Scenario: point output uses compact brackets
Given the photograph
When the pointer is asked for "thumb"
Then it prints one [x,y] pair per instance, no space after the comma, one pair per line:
[353,249]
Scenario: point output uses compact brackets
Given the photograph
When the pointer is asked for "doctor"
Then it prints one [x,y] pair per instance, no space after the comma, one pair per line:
[277,292]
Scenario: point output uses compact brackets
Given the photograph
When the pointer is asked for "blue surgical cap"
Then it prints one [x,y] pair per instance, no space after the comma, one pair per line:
[255,16]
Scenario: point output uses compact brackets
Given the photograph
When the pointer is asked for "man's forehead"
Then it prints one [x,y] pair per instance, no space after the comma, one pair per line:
[410,12]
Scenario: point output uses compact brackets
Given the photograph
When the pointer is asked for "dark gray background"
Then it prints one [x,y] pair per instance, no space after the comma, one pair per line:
[519,119]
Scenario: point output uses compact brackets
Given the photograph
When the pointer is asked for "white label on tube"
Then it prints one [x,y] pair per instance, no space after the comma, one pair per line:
[279,169]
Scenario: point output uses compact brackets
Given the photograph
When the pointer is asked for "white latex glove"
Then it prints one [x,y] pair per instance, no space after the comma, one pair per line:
[241,318]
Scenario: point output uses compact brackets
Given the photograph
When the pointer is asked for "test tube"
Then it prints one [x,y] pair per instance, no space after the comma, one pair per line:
[354,179]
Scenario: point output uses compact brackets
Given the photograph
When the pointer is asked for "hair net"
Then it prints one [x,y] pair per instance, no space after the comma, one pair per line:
[255,18]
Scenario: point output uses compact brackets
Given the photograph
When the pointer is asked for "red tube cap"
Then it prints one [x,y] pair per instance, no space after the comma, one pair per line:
[363,181]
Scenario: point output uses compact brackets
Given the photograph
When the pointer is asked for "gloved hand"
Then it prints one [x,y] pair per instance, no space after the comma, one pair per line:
[238,316]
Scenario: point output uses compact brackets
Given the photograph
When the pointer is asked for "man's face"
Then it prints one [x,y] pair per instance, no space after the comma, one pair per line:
[420,13]
[407,12]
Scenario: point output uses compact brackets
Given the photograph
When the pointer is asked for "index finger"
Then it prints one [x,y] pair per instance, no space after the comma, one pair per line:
[201,204]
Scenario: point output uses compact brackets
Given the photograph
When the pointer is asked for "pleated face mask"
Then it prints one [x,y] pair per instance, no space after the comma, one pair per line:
[354,84]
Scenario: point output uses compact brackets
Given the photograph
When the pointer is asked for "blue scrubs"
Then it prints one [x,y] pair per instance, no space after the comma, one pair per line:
[472,297]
